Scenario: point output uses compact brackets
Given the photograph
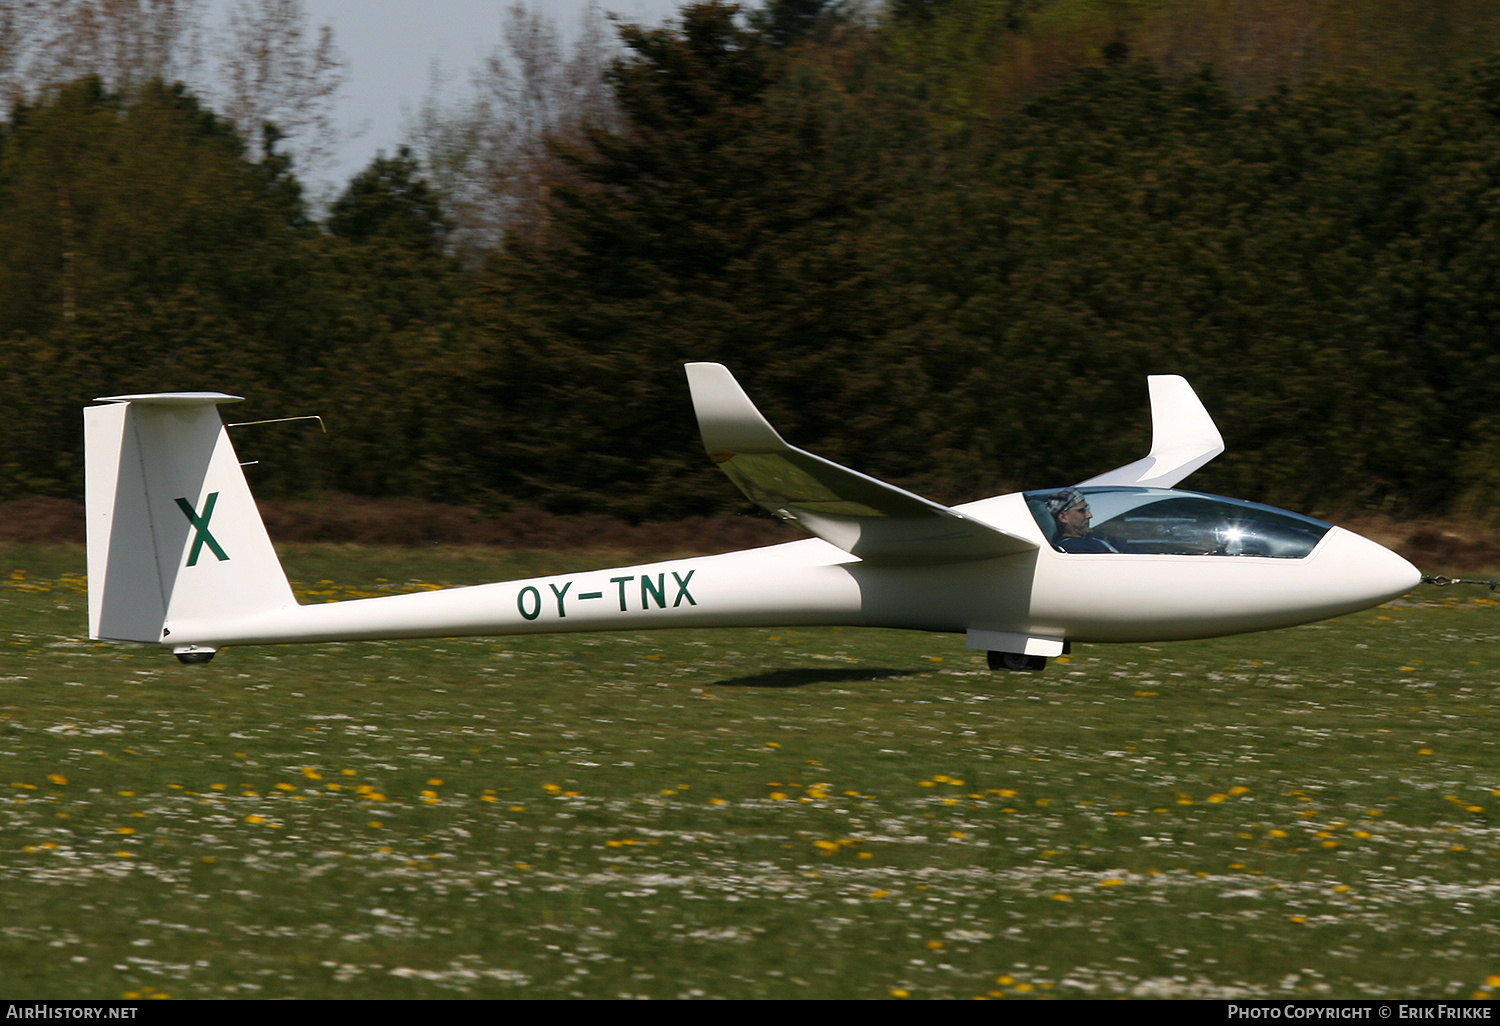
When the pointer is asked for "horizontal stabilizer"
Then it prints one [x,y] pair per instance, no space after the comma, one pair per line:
[873,520]
[1183,438]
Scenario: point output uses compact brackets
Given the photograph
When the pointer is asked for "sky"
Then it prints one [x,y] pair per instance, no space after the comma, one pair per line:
[392,47]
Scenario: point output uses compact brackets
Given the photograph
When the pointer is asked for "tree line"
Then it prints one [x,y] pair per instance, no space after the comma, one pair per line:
[942,242]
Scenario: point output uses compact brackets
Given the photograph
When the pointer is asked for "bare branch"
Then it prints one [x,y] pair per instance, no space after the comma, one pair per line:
[273,70]
[125,42]
[490,156]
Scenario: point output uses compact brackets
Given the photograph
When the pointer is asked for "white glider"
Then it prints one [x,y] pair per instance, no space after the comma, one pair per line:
[178,556]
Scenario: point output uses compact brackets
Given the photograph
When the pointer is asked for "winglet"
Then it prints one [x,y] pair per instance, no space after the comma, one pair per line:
[727,418]
[1183,438]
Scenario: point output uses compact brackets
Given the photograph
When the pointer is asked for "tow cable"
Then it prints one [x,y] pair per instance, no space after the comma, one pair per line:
[1440,581]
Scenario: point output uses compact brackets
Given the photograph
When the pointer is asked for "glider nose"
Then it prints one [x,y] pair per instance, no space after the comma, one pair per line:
[1368,569]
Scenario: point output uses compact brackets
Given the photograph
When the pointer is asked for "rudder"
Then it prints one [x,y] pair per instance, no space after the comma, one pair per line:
[173,531]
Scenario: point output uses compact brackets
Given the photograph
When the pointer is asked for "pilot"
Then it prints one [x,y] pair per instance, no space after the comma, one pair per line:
[1071,511]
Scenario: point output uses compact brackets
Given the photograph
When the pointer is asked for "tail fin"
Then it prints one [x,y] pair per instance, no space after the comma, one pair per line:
[173,531]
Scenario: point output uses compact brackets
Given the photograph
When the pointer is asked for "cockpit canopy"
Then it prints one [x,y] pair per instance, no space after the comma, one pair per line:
[1165,521]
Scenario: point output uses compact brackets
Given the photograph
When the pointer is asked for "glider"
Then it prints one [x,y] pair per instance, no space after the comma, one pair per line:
[178,556]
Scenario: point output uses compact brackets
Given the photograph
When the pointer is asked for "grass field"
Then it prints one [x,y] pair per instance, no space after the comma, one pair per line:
[827,813]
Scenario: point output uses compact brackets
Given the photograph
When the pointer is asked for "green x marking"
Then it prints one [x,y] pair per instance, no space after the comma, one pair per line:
[201,523]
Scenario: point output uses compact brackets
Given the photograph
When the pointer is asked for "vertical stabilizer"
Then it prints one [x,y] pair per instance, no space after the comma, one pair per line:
[173,531]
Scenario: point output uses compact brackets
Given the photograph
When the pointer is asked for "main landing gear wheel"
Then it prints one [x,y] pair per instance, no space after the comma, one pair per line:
[201,655]
[1016,661]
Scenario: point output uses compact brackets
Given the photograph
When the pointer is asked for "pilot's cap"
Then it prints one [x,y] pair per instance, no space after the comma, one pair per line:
[1064,500]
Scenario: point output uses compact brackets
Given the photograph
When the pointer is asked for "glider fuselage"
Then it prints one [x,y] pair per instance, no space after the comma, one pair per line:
[1085,597]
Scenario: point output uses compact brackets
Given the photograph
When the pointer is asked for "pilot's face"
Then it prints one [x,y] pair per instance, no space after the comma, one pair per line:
[1074,521]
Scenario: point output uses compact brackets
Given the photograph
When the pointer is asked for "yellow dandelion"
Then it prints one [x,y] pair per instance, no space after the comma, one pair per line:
[934,945]
[900,992]
[57,778]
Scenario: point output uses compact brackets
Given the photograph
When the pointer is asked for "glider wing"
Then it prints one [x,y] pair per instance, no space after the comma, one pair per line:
[868,518]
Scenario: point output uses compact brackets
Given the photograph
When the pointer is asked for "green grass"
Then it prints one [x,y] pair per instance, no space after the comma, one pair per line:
[744,813]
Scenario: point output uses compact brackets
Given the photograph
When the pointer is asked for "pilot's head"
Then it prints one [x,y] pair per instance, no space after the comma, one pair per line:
[1071,511]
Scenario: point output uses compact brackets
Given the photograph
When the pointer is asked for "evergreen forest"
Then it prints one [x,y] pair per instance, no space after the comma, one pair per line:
[940,241]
